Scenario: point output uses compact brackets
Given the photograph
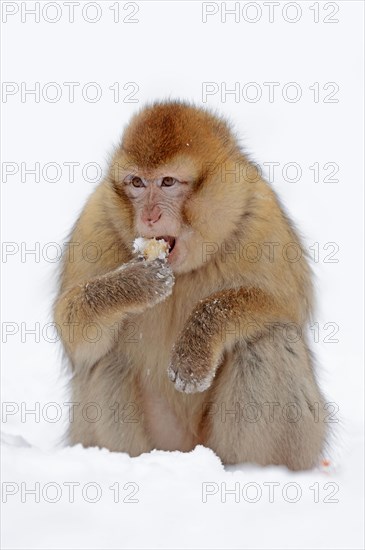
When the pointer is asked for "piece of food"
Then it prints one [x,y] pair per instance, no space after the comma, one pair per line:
[151,249]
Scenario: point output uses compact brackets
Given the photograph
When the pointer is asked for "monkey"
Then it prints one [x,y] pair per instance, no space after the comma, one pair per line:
[194,349]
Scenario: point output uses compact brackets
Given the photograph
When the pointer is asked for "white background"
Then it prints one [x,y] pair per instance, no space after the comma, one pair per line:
[170,53]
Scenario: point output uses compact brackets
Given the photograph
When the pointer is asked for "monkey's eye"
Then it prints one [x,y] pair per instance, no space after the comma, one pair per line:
[168,181]
[136,182]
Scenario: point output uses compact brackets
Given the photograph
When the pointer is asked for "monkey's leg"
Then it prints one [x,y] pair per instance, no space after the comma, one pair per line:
[265,406]
[110,409]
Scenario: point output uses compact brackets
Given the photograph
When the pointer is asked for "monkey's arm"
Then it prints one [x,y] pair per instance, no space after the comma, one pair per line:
[214,326]
[102,303]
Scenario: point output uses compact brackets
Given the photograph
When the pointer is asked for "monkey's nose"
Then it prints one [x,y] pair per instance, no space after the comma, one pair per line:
[151,215]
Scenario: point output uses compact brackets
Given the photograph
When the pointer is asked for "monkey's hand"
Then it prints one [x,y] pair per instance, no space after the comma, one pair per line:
[197,352]
[146,283]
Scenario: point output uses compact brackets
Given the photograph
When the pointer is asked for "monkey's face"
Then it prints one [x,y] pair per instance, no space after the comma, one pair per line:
[158,198]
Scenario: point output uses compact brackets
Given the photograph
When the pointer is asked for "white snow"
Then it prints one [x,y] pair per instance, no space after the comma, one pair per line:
[175,500]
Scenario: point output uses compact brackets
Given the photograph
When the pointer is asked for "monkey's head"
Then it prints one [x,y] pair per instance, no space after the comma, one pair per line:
[175,175]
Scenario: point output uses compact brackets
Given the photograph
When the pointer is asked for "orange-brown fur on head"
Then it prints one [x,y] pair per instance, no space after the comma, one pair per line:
[162,131]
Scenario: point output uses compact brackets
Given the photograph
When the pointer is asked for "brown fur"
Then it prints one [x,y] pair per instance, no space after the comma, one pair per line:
[217,325]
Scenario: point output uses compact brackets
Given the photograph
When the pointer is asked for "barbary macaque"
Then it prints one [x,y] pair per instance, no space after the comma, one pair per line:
[204,342]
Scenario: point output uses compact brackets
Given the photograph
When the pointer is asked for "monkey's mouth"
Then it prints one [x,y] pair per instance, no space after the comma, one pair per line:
[170,241]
